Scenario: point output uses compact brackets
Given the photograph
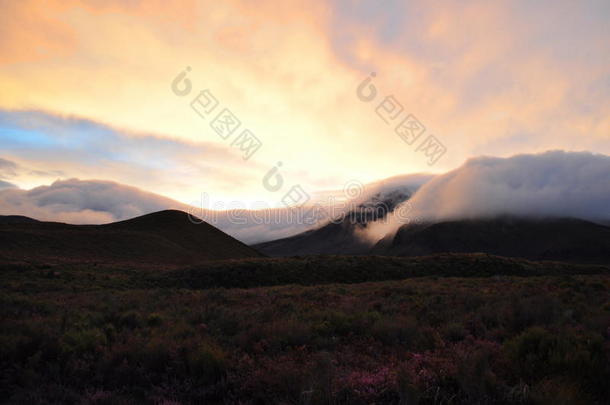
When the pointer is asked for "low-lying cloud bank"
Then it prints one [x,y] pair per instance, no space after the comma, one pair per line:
[555,184]
[550,184]
[82,202]
[95,202]
[6,184]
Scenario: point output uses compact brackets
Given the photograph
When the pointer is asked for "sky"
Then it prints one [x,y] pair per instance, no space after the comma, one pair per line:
[91,90]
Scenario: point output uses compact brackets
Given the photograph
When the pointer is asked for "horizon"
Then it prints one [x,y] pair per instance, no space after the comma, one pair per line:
[553,184]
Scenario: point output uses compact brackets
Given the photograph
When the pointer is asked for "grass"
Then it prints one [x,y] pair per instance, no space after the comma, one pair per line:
[330,330]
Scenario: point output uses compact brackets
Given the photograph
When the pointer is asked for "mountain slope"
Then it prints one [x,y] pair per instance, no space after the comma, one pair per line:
[339,236]
[164,238]
[16,219]
[562,239]
[332,238]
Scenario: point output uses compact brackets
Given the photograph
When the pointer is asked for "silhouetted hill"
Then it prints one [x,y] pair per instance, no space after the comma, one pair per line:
[161,238]
[339,236]
[570,240]
[16,219]
[332,238]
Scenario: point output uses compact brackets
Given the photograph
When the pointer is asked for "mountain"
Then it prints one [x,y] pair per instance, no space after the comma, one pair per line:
[563,239]
[339,236]
[162,238]
[16,219]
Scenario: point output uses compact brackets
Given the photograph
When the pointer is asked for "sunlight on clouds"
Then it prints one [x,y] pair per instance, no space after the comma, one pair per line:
[476,75]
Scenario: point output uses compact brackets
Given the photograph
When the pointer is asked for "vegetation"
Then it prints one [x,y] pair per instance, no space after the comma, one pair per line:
[106,335]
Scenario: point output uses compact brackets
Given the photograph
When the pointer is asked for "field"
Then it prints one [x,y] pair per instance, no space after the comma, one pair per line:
[452,329]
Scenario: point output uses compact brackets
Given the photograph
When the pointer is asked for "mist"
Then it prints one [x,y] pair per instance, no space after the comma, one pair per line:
[550,184]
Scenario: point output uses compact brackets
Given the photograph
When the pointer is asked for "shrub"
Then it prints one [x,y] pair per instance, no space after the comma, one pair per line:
[207,363]
[454,332]
[283,334]
[538,353]
[474,374]
[130,320]
[557,392]
[156,356]
[154,320]
[83,341]
[398,330]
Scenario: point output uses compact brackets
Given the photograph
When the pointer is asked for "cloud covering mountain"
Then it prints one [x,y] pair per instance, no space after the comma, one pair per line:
[96,201]
[551,184]
[83,202]
[486,77]
[556,184]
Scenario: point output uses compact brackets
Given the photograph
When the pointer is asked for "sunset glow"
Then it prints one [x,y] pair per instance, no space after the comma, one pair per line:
[90,82]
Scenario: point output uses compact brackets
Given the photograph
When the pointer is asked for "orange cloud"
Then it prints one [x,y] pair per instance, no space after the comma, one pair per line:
[473,79]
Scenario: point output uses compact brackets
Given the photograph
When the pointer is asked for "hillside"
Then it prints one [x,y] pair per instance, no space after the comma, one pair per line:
[562,239]
[332,238]
[339,236]
[559,239]
[16,219]
[162,238]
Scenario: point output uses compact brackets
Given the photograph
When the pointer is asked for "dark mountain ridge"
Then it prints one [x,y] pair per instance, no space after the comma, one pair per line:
[16,219]
[161,238]
[339,235]
[563,239]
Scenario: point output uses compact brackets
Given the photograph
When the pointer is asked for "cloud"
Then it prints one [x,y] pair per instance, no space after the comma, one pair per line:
[43,145]
[551,184]
[486,77]
[326,206]
[96,201]
[82,202]
[14,171]
[7,168]
[6,184]
[556,184]
[407,182]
